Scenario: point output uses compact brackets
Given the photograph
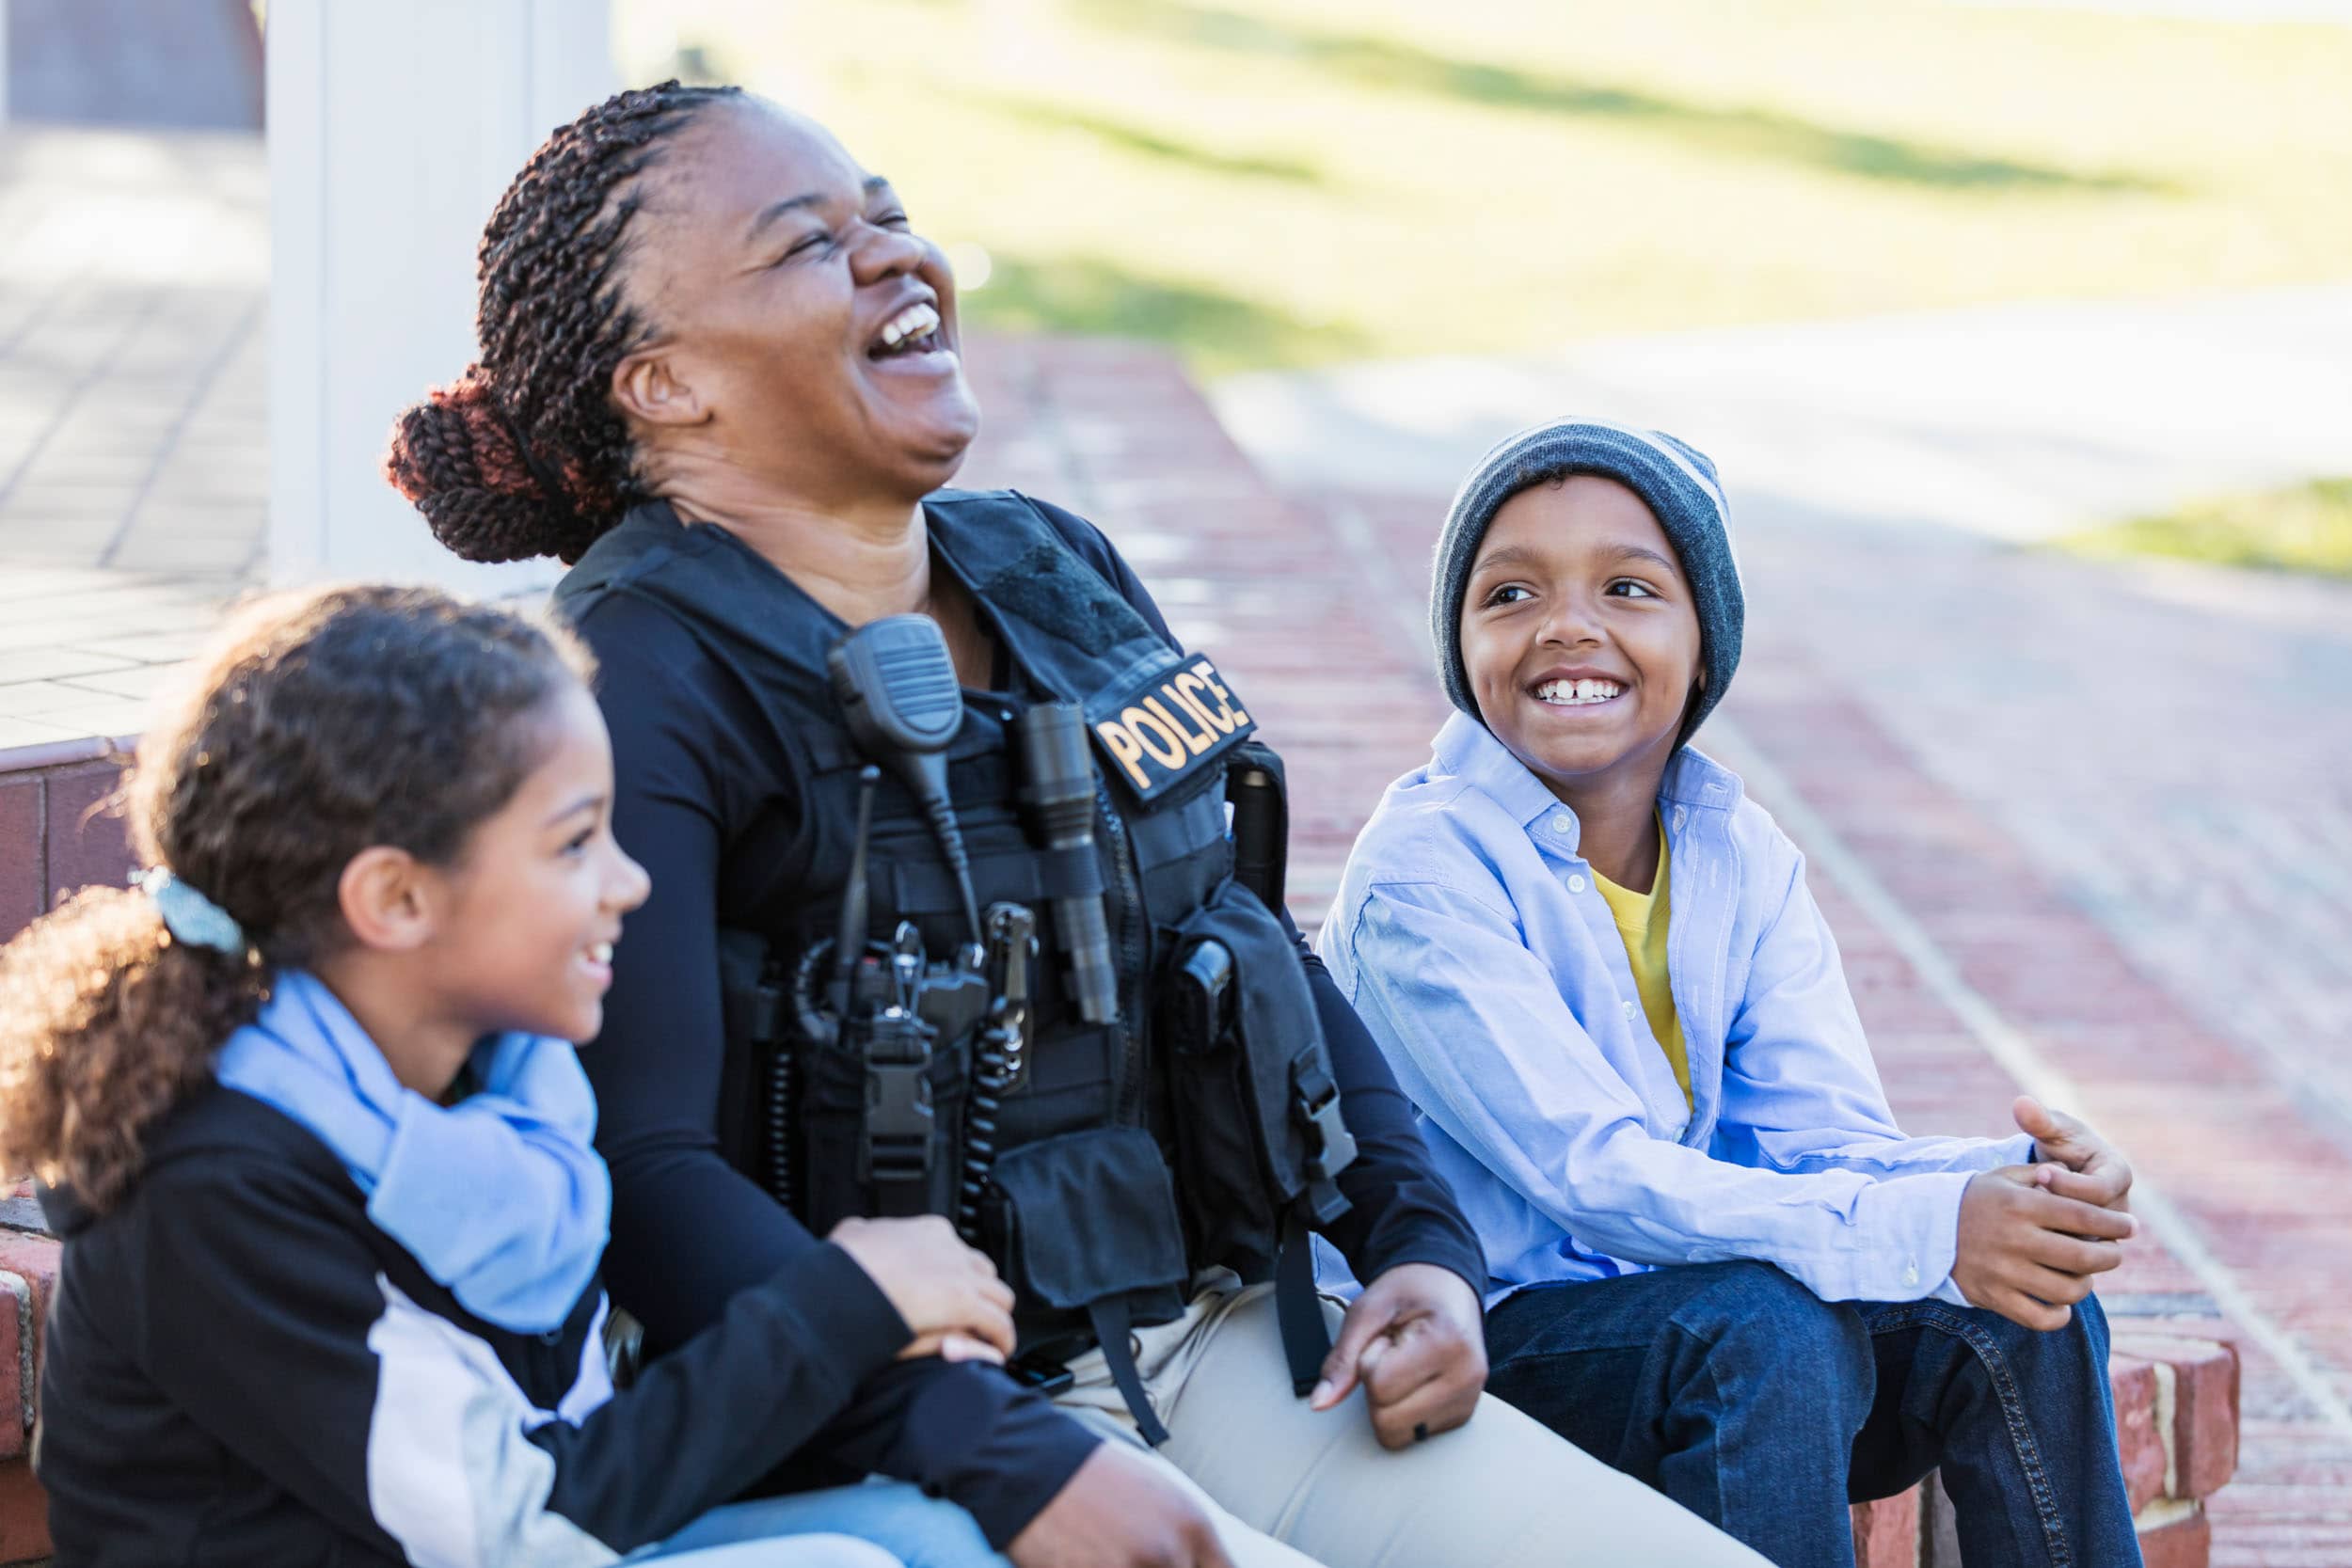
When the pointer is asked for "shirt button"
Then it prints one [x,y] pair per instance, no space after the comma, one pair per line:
[1563,823]
[1682,814]
[1911,1271]
[1576,884]
[1628,1012]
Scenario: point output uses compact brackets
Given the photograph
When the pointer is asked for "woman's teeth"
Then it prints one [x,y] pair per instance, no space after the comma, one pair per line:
[907,329]
[1577,693]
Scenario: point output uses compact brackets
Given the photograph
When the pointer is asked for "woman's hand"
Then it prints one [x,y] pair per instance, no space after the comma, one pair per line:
[1118,1510]
[949,1294]
[1416,1339]
[2030,1254]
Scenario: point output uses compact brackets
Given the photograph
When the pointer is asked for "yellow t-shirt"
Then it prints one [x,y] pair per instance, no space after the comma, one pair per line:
[1642,919]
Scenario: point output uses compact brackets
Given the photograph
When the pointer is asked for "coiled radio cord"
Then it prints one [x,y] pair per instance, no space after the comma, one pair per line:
[996,1058]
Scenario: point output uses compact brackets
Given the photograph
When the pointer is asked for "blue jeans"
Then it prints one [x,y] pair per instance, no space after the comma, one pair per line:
[1764,1410]
[907,1528]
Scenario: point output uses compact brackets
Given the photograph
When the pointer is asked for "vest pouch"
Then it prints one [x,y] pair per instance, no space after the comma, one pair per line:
[1251,1099]
[1085,1217]
[915,1111]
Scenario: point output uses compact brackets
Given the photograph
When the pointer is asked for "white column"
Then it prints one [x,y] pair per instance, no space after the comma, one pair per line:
[393,129]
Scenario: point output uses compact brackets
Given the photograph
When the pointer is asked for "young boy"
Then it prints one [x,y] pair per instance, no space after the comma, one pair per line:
[1715,1260]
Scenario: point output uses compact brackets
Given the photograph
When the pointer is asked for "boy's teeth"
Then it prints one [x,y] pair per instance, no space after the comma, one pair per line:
[1571,692]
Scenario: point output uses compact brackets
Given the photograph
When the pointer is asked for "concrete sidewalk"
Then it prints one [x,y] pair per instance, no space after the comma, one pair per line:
[134,465]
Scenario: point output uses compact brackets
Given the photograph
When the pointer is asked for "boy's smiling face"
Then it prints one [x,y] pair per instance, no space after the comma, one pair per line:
[1580,635]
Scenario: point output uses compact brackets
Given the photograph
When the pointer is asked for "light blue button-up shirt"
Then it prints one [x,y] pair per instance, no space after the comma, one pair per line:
[1470,936]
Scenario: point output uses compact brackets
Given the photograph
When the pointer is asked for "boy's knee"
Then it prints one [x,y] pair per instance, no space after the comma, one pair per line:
[2079,1344]
[1755,1312]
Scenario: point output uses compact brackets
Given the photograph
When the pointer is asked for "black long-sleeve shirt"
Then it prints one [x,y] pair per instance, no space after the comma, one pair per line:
[241,1368]
[709,797]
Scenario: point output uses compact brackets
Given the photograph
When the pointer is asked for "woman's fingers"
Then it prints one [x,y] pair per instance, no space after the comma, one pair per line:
[1437,1402]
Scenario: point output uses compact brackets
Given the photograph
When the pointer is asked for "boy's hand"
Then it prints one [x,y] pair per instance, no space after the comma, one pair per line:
[2086,1167]
[1417,1340]
[2030,1254]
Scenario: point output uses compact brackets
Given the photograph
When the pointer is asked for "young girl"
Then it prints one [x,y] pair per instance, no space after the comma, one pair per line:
[320,1153]
[1715,1262]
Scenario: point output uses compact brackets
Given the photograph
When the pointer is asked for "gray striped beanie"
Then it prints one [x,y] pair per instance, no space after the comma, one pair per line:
[1677,482]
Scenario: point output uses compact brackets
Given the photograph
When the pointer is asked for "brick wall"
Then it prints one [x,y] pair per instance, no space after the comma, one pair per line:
[57,833]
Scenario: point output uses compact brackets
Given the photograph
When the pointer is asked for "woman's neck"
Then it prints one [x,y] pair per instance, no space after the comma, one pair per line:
[861,563]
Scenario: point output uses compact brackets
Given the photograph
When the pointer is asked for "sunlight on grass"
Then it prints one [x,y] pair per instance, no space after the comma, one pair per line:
[2303,527]
[1285,181]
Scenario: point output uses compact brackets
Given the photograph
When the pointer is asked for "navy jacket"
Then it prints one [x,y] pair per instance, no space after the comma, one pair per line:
[240,1369]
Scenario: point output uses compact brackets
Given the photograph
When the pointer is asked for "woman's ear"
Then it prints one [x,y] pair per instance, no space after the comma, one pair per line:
[650,388]
[386,900]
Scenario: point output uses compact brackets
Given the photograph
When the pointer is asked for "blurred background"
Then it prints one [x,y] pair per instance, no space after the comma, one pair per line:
[2022,335]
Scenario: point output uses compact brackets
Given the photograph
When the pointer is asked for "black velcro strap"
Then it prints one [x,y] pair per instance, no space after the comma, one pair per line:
[1306,1338]
[925,887]
[1112,1327]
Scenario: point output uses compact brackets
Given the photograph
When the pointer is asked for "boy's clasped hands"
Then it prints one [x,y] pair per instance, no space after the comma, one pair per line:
[2032,1236]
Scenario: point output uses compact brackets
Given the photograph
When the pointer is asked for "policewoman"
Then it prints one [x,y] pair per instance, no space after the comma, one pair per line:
[720,375]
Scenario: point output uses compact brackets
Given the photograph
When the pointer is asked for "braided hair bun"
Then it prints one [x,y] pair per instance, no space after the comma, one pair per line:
[524,455]
[459,457]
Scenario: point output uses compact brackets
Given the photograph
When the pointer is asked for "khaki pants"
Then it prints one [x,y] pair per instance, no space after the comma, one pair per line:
[1292,1488]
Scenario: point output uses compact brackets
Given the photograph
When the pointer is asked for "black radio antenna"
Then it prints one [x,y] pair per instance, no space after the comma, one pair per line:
[850,943]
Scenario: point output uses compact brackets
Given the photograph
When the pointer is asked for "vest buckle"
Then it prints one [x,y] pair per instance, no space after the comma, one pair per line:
[1330,1146]
[899,1119]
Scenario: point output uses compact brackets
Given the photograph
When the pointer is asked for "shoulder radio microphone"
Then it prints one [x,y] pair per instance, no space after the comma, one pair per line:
[897,684]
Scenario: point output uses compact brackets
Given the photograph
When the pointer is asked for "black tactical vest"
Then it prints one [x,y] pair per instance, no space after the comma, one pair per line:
[1127,1155]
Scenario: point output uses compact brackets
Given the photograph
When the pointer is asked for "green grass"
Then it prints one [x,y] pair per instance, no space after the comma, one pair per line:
[2303,527]
[1275,183]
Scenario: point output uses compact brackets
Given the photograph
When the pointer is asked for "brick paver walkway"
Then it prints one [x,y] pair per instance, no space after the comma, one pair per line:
[1977,963]
[2121,871]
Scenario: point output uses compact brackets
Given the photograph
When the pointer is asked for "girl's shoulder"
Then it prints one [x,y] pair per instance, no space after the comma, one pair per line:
[233,1185]
[215,1157]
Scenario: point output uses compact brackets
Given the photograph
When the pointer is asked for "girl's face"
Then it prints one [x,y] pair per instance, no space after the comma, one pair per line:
[1580,635]
[530,911]
[815,327]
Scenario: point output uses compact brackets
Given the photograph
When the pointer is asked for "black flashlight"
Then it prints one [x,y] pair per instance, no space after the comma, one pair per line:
[1057,790]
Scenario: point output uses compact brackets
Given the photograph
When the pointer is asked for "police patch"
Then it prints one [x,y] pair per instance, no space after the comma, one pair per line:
[1169,727]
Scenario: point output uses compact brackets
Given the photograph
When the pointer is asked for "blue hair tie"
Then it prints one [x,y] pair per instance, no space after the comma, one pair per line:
[190,916]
